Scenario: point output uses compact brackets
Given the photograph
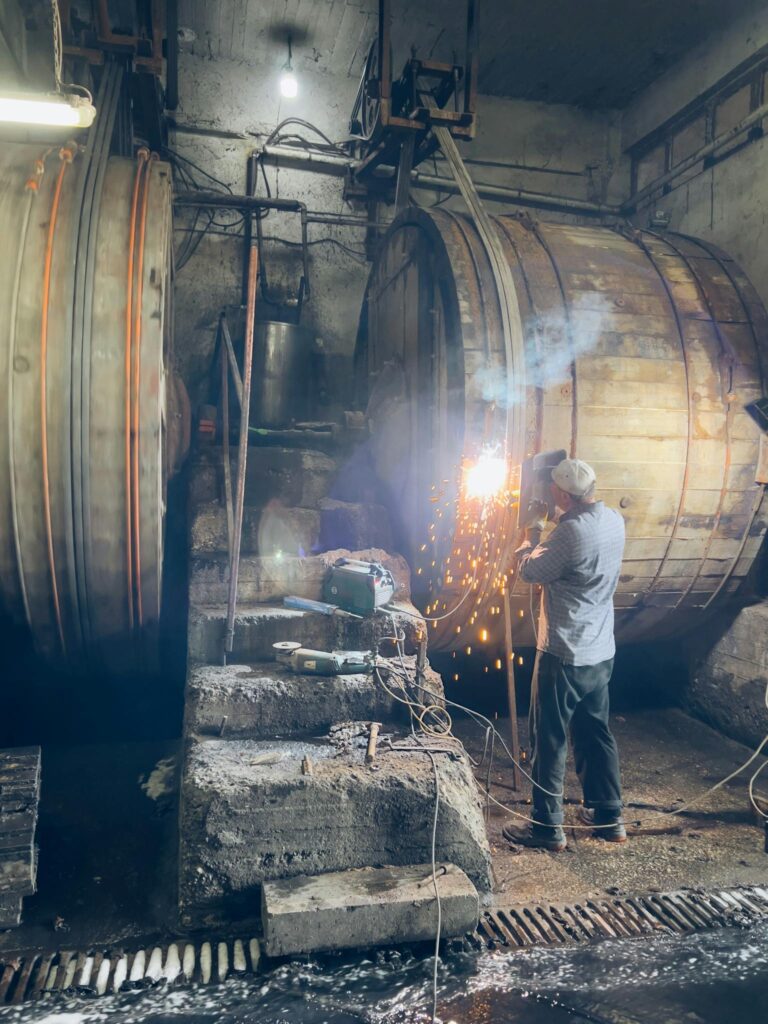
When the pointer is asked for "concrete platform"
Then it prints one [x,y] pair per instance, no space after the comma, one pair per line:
[367,907]
[296,477]
[249,815]
[270,578]
[258,626]
[263,701]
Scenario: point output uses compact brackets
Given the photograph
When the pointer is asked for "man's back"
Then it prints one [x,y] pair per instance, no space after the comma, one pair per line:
[579,564]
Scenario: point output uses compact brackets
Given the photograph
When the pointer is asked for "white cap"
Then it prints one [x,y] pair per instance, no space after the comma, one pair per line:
[574,476]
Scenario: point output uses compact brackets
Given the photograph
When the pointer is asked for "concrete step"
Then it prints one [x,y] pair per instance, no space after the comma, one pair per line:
[293,531]
[354,525]
[250,815]
[259,626]
[262,701]
[366,907]
[266,531]
[271,578]
[295,477]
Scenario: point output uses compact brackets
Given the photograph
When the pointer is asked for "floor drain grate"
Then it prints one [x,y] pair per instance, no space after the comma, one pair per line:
[518,926]
[553,924]
[100,973]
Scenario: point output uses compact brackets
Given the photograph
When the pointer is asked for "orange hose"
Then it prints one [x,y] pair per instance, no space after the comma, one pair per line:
[142,158]
[137,397]
[66,156]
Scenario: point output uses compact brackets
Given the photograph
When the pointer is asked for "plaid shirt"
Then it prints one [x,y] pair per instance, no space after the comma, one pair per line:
[579,565]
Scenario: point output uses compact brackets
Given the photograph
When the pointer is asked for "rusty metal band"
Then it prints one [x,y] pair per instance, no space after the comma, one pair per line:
[136,411]
[32,188]
[727,462]
[87,204]
[142,160]
[65,156]
[760,487]
[636,237]
[569,334]
[539,391]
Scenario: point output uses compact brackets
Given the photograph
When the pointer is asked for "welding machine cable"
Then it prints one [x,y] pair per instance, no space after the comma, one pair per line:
[476,716]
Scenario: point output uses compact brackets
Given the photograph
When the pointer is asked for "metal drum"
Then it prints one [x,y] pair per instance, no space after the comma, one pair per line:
[85,298]
[282,372]
[640,351]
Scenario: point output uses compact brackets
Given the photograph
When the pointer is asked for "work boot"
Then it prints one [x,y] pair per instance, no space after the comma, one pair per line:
[537,837]
[606,825]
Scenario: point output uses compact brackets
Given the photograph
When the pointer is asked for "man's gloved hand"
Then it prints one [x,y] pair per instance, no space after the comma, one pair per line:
[536,517]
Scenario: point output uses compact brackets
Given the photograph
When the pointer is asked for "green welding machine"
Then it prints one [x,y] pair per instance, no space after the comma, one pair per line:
[358,586]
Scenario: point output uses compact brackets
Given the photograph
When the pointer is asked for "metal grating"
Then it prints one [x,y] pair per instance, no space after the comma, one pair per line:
[34,976]
[103,973]
[674,913]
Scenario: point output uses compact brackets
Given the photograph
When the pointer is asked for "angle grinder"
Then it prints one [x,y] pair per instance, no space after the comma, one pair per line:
[304,661]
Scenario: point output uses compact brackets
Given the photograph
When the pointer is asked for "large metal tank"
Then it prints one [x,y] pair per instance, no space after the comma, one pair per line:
[85,296]
[282,373]
[640,351]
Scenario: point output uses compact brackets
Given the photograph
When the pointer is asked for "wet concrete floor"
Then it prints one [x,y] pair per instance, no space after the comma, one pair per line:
[668,759]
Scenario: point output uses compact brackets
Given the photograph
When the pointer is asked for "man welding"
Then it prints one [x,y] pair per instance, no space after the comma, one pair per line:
[578,565]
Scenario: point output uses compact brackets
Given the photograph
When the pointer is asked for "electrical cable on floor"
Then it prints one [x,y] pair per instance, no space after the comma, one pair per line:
[475,715]
[434,883]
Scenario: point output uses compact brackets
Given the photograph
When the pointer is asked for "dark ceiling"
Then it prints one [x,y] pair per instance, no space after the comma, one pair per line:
[592,53]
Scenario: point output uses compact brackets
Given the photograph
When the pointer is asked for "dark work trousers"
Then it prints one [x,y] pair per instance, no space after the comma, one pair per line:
[572,697]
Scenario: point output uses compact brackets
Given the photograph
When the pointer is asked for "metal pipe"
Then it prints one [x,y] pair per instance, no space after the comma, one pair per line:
[521,196]
[242,450]
[172,62]
[296,154]
[229,201]
[501,193]
[700,154]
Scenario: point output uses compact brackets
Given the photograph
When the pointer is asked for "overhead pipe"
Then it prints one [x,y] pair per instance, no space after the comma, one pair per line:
[333,164]
[700,154]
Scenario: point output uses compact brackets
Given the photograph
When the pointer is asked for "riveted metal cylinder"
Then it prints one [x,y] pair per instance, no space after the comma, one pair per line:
[640,351]
[83,347]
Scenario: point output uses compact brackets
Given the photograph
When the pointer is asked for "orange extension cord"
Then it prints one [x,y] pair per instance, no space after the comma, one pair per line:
[66,155]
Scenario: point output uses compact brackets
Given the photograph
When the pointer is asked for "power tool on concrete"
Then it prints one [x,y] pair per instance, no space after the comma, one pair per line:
[304,661]
[358,586]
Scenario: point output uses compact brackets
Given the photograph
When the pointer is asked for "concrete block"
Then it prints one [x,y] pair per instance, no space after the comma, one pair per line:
[727,685]
[10,909]
[257,627]
[366,907]
[296,477]
[262,701]
[249,815]
[266,531]
[267,578]
[347,525]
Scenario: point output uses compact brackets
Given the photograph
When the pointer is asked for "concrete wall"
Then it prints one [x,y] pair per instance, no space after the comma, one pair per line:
[727,203]
[228,108]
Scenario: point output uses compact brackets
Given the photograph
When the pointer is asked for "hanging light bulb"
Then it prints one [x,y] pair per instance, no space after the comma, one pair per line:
[289,86]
